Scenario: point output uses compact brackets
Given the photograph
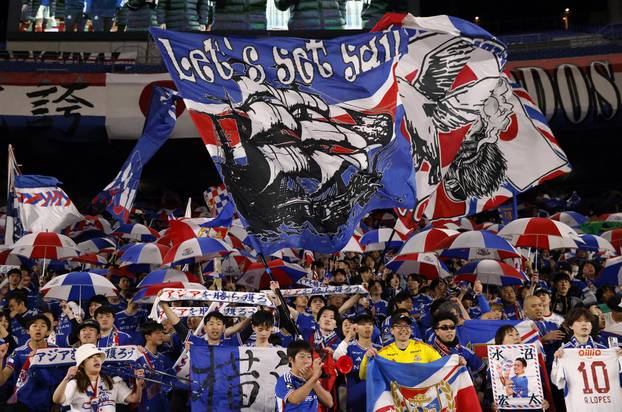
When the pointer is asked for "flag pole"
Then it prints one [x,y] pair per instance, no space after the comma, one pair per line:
[282,305]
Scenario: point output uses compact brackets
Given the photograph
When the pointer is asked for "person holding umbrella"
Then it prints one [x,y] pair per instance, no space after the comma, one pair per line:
[84,385]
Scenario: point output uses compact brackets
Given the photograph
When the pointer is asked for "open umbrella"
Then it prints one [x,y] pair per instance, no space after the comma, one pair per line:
[614,237]
[572,219]
[285,273]
[77,286]
[196,250]
[477,245]
[426,240]
[386,237]
[97,245]
[45,245]
[166,275]
[91,259]
[490,272]
[541,233]
[147,294]
[143,253]
[7,259]
[353,245]
[593,243]
[424,264]
[136,231]
[611,273]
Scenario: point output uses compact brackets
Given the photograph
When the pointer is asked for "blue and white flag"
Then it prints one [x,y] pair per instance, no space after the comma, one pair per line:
[43,206]
[442,385]
[12,217]
[119,195]
[305,133]
[234,378]
[478,334]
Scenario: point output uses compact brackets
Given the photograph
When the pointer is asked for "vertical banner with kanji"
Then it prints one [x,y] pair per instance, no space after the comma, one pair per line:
[515,376]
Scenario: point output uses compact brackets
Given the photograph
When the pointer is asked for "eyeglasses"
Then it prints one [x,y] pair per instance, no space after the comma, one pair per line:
[447,327]
[402,327]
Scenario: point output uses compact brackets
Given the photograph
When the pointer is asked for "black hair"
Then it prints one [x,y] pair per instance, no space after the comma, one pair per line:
[215,314]
[440,316]
[613,303]
[363,269]
[101,299]
[43,318]
[149,327]
[332,309]
[521,360]
[601,291]
[13,271]
[104,310]
[364,317]
[297,346]
[559,276]
[501,332]
[262,318]
[577,313]
[341,271]
[51,312]
[18,296]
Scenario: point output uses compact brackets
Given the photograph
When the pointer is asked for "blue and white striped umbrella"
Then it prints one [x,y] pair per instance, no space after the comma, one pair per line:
[166,275]
[477,244]
[197,249]
[611,273]
[143,253]
[78,286]
[97,245]
[595,243]
[572,219]
[136,231]
[379,239]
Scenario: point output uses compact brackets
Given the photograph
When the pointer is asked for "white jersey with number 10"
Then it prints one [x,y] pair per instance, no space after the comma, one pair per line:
[590,379]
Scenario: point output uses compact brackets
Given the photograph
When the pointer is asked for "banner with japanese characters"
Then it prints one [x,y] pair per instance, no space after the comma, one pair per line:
[515,376]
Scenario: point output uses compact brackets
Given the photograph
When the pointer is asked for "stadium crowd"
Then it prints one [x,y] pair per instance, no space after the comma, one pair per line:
[421,313]
[195,15]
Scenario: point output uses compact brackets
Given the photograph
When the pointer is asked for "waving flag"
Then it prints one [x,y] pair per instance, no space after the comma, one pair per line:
[228,378]
[119,195]
[43,206]
[216,197]
[305,134]
[442,385]
[472,127]
[11,222]
[478,334]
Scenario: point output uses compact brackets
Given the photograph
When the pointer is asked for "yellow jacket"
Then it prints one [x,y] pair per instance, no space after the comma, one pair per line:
[416,351]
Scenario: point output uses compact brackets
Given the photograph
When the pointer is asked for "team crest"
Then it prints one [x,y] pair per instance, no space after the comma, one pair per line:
[435,398]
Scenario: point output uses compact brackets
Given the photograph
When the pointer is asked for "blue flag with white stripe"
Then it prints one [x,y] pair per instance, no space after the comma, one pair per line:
[119,195]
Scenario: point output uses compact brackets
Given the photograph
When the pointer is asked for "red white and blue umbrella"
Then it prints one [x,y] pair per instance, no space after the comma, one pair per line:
[477,245]
[286,274]
[593,243]
[426,240]
[232,265]
[611,273]
[424,264]
[490,272]
[7,259]
[45,245]
[572,219]
[614,237]
[97,245]
[541,233]
[143,253]
[91,259]
[167,275]
[148,294]
[387,237]
[136,231]
[77,286]
[611,217]
[491,227]
[97,223]
[198,249]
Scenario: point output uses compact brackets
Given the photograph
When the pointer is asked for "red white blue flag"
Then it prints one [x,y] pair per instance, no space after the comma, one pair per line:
[442,385]
[473,129]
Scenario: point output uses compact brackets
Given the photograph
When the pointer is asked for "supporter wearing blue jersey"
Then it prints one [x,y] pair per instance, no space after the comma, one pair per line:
[299,389]
[16,369]
[109,334]
[214,327]
[130,319]
[511,306]
[362,329]
[154,397]
[20,315]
